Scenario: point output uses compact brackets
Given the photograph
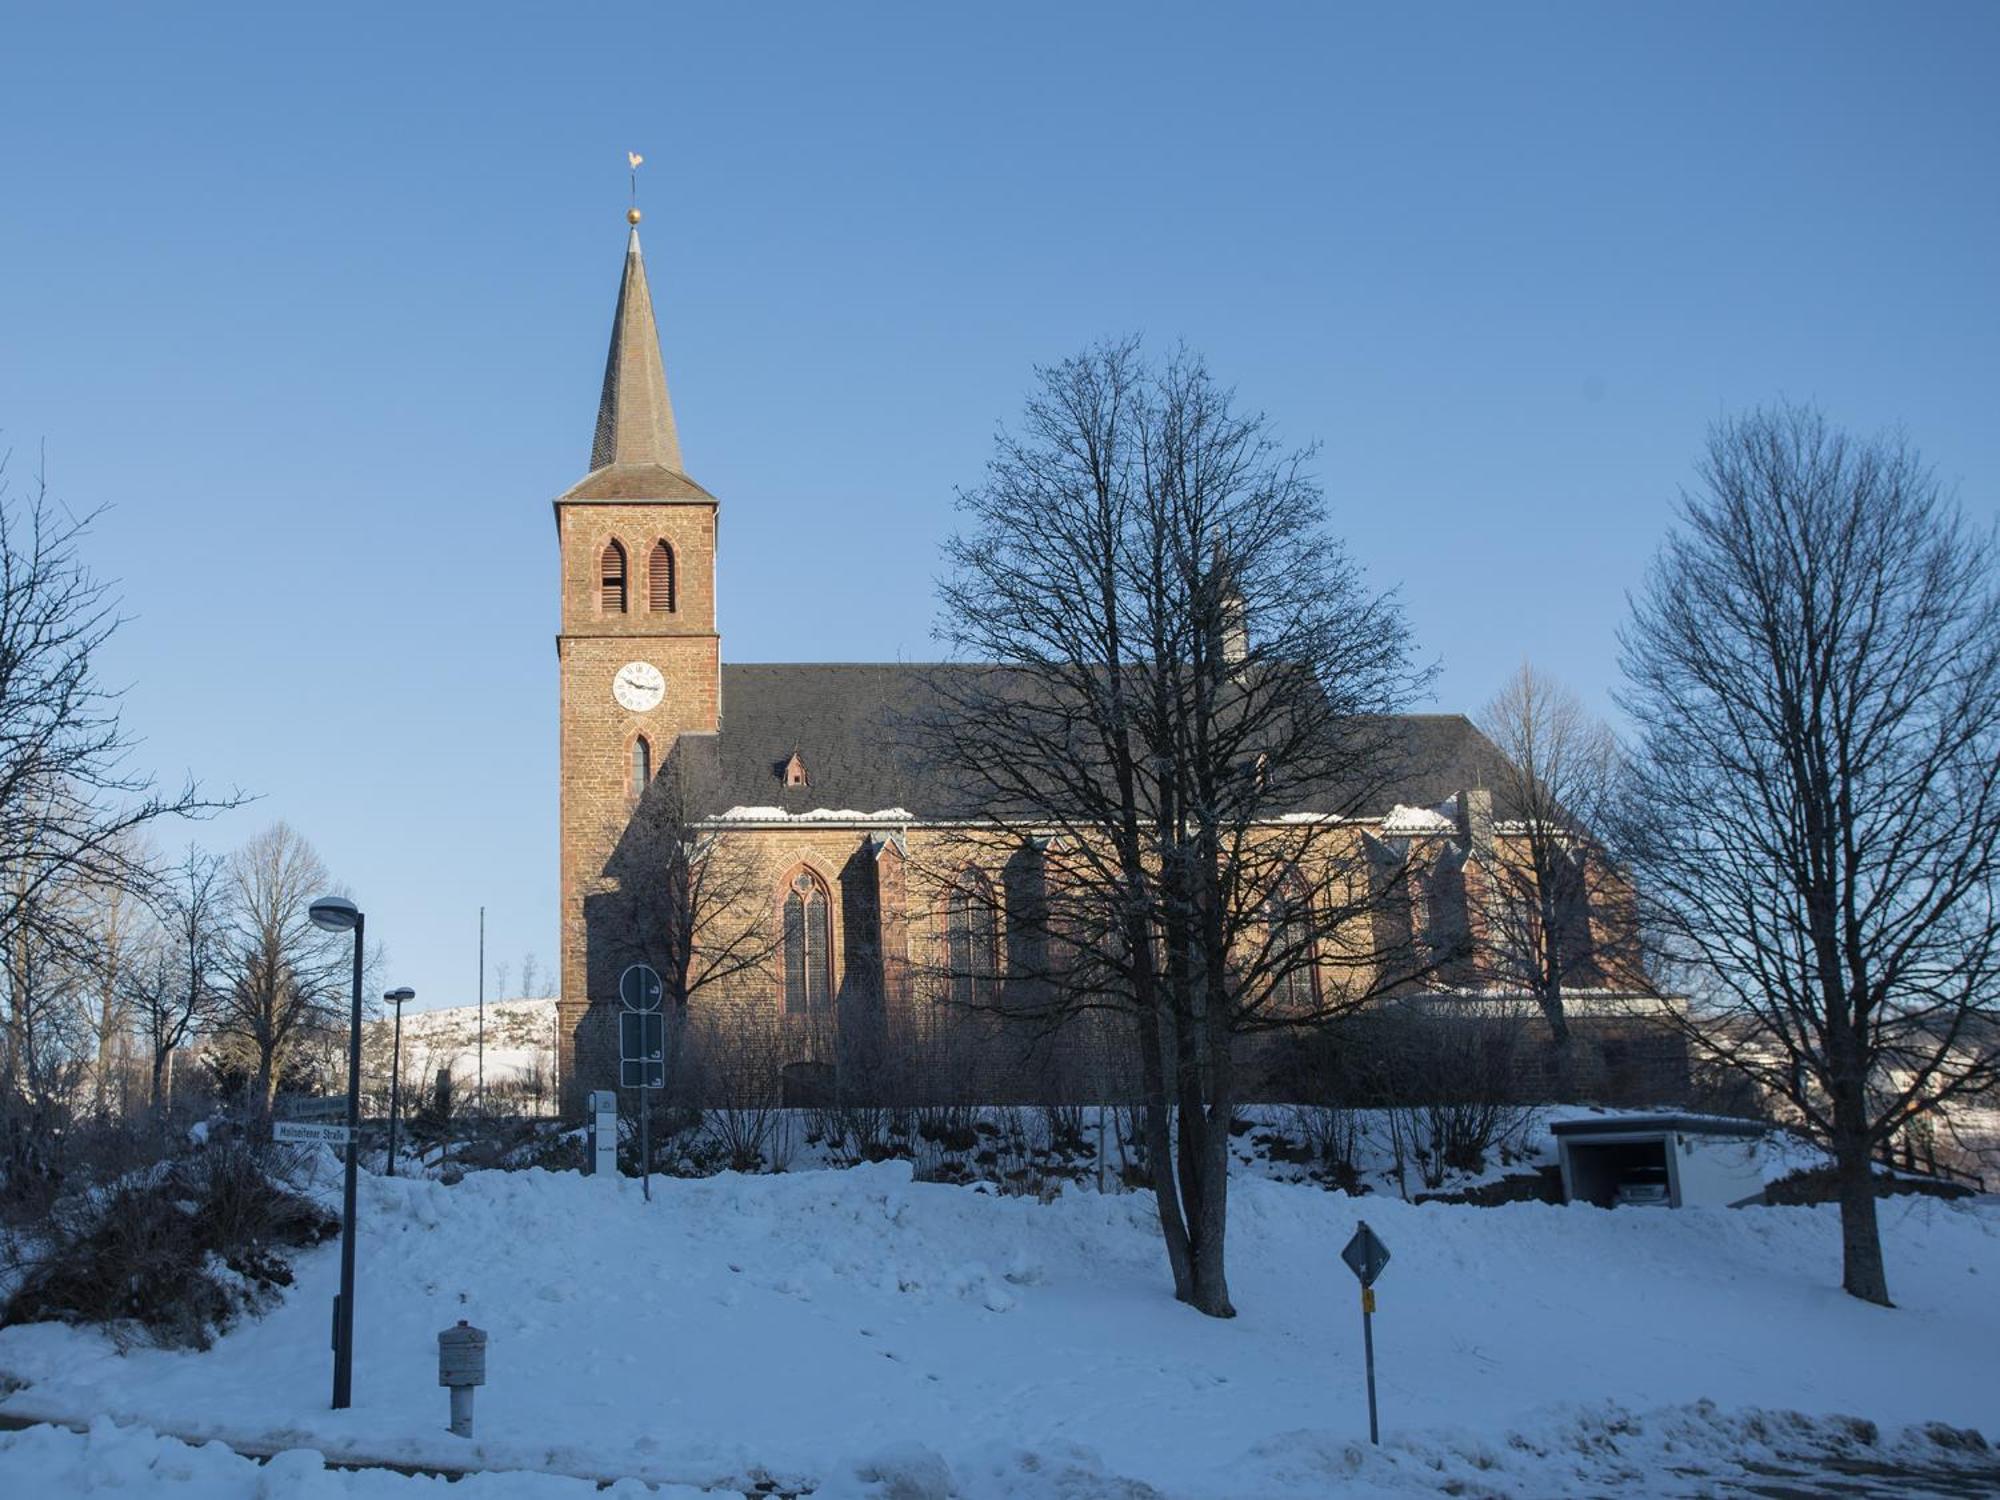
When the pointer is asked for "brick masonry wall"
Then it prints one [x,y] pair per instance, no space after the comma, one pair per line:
[596,732]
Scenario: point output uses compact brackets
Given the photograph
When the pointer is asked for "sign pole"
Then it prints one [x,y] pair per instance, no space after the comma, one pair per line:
[482,1009]
[1366,1256]
[343,1328]
[640,990]
[1368,1348]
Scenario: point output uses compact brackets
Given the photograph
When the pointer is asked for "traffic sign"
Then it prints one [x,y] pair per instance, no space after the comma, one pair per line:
[642,1050]
[1365,1255]
[639,987]
[303,1133]
[642,1073]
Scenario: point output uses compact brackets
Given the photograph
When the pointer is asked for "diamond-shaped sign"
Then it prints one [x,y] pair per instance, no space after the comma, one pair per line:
[1365,1255]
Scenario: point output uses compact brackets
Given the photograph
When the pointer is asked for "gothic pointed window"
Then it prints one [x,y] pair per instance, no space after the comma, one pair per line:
[808,946]
[642,765]
[611,579]
[971,942]
[660,579]
[1293,956]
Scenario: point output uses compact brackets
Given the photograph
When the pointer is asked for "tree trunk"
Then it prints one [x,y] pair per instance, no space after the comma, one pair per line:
[1160,1157]
[1861,1272]
[267,1081]
[1209,1218]
[1562,1055]
[1211,1285]
[1166,1197]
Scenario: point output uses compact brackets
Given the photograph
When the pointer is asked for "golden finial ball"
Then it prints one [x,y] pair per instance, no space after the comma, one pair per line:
[632,216]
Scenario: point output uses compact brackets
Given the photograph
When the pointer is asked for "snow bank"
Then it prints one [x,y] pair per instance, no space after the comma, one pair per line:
[815,1329]
[1594,1451]
[51,1461]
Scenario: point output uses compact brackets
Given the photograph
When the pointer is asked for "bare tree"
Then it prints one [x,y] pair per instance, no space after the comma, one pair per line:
[72,806]
[1556,774]
[179,984]
[111,922]
[1814,668]
[1184,692]
[287,978]
[48,1038]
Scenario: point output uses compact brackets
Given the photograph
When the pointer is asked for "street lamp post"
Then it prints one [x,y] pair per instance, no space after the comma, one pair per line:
[396,997]
[338,914]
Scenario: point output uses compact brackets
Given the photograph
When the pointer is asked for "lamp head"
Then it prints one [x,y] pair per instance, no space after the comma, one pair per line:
[398,996]
[335,914]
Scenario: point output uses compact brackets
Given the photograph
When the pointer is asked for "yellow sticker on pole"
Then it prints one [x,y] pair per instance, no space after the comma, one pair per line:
[1368,1299]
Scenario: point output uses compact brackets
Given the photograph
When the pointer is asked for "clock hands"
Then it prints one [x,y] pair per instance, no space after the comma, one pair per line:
[642,681]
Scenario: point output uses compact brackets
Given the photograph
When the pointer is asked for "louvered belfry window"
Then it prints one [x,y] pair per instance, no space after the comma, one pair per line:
[808,971]
[660,580]
[611,573]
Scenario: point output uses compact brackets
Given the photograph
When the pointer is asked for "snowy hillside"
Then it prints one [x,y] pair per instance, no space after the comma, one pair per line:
[520,1037]
[834,1330]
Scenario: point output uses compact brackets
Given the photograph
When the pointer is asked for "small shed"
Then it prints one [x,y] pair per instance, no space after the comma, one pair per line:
[1701,1161]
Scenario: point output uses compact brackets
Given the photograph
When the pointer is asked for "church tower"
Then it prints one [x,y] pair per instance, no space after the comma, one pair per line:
[638,653]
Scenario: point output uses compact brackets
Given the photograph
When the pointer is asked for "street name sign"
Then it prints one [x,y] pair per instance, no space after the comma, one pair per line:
[305,1133]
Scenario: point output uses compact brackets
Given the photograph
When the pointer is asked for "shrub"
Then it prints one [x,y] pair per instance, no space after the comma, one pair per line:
[178,1254]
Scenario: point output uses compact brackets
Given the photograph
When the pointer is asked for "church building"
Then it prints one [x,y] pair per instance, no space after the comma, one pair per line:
[827,827]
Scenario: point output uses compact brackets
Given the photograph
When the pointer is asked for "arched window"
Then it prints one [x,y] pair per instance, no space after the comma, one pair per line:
[808,947]
[971,944]
[611,579]
[1293,956]
[660,579]
[642,765]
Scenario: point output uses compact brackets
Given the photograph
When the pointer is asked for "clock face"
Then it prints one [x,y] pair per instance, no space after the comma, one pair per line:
[639,686]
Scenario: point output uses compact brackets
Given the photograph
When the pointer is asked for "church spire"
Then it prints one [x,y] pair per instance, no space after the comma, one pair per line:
[635,416]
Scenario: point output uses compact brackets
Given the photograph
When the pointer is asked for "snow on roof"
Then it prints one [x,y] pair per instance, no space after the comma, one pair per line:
[816,815]
[1403,819]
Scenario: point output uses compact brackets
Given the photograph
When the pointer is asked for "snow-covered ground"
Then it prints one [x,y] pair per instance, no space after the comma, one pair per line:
[849,1332]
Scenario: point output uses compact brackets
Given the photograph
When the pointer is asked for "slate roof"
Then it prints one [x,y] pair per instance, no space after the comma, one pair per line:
[635,453]
[842,718]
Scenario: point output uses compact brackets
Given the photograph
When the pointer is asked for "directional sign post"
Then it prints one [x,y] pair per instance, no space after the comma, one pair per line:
[642,1054]
[1366,1255]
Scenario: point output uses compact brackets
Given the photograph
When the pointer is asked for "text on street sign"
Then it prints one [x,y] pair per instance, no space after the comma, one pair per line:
[303,1131]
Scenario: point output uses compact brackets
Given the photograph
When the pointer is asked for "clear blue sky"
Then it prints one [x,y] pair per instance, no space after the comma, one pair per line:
[318,302]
